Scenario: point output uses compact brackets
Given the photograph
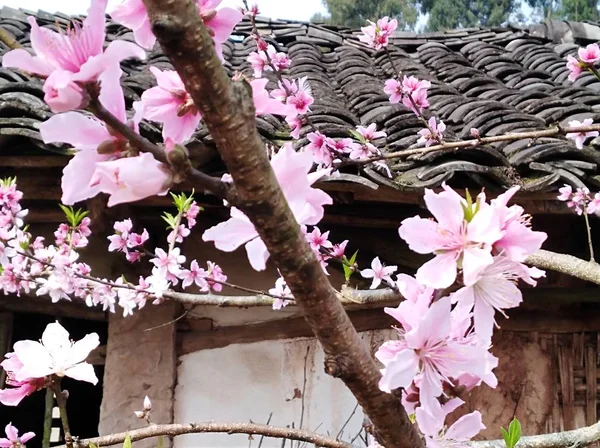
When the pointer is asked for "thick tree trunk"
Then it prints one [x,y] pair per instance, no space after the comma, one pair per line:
[228,111]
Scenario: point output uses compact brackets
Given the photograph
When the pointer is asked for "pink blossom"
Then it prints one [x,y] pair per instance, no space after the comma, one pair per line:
[56,355]
[220,23]
[340,146]
[417,301]
[215,276]
[433,134]
[87,134]
[195,275]
[136,239]
[451,239]
[12,438]
[170,104]
[475,133]
[192,213]
[427,351]
[377,35]
[494,290]
[416,101]
[411,85]
[393,88]
[574,67]
[263,103]
[337,251]
[168,262]
[182,232]
[19,389]
[370,132]
[319,149]
[282,291]
[318,240]
[518,241]
[72,58]
[259,61]
[594,204]
[295,124]
[131,179]
[580,137]
[361,151]
[296,94]
[457,435]
[565,193]
[590,54]
[291,169]
[378,273]
[132,14]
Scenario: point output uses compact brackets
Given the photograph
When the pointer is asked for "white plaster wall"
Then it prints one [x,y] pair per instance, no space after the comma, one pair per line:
[245,382]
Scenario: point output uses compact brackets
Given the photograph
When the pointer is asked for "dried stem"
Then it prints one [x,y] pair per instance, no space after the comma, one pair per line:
[228,112]
[589,234]
[61,400]
[173,430]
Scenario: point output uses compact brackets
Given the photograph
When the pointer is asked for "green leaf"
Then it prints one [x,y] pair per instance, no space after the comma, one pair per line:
[357,135]
[347,272]
[348,266]
[513,435]
[92,445]
[127,443]
[353,259]
[161,442]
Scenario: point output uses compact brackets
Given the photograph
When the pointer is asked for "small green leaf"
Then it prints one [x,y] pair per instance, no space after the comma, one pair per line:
[353,259]
[357,135]
[127,443]
[161,442]
[92,445]
[347,272]
[513,435]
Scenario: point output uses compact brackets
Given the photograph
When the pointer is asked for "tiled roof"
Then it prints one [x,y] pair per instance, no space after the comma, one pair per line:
[497,80]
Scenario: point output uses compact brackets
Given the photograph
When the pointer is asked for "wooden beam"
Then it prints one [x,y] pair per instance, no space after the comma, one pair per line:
[6,325]
[42,305]
[210,337]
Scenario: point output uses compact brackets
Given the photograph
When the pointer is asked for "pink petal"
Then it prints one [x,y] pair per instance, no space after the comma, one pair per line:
[520,241]
[258,254]
[111,92]
[475,260]
[117,51]
[231,234]
[80,131]
[27,437]
[14,396]
[483,318]
[223,23]
[11,432]
[82,348]
[400,371]
[77,174]
[82,372]
[439,272]
[422,235]
[36,360]
[466,427]
[23,60]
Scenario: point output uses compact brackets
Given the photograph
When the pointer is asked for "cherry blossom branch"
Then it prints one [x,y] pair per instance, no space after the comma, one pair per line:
[173,430]
[228,111]
[577,438]
[566,264]
[553,131]
[196,177]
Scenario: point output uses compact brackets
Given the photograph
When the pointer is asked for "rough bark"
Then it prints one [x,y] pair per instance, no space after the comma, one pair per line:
[228,111]
[566,264]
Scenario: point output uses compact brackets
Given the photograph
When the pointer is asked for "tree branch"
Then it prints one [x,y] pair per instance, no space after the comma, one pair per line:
[472,143]
[228,111]
[577,438]
[201,180]
[212,427]
[566,264]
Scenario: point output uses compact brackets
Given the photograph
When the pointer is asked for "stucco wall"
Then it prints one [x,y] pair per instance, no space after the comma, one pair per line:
[245,382]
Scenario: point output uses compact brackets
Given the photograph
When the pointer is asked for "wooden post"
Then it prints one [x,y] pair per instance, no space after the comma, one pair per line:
[6,323]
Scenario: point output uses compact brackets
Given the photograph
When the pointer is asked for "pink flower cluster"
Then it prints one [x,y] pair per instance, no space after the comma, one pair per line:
[411,92]
[267,59]
[581,199]
[377,35]
[443,344]
[588,57]
[32,363]
[292,171]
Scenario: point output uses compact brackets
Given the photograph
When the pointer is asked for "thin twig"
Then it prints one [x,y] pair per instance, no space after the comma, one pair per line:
[262,436]
[303,390]
[339,434]
[589,234]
